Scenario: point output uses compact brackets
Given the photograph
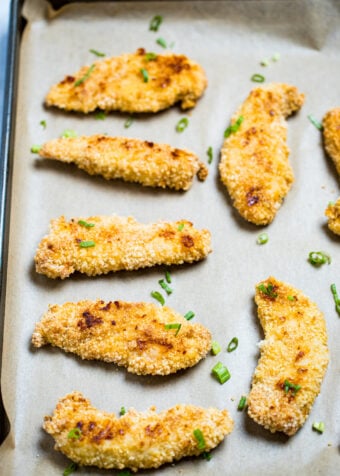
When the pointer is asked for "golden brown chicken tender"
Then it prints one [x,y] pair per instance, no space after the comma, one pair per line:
[331,135]
[294,357]
[137,82]
[254,158]
[135,440]
[100,244]
[333,214]
[134,335]
[133,160]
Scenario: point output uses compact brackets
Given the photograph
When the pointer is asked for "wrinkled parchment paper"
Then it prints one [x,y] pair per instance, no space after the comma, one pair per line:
[229,39]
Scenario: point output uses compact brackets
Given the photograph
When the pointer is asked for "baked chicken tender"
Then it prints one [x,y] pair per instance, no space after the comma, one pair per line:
[100,244]
[134,83]
[333,214]
[133,160]
[133,335]
[294,357]
[136,440]
[331,135]
[254,159]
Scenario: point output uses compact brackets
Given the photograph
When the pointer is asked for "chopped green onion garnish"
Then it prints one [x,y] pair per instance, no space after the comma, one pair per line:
[161,42]
[318,258]
[180,227]
[206,455]
[167,277]
[258,78]
[232,344]
[242,403]
[234,127]
[126,472]
[145,75]
[122,411]
[331,204]
[199,438]
[74,434]
[315,122]
[155,22]
[291,386]
[189,315]
[86,224]
[69,133]
[264,62]
[182,124]
[97,53]
[262,239]
[158,296]
[221,372]
[268,291]
[150,56]
[215,347]
[86,75]
[165,286]
[71,468]
[100,116]
[43,124]
[128,122]
[276,57]
[291,298]
[35,148]
[87,244]
[173,326]
[319,426]
[210,154]
[336,298]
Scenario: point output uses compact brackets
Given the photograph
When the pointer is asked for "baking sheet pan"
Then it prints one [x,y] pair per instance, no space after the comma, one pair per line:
[229,39]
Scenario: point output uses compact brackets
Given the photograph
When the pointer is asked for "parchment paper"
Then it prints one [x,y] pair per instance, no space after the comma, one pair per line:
[229,39]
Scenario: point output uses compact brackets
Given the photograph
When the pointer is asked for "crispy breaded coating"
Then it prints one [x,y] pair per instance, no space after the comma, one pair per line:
[100,244]
[254,159]
[135,440]
[294,357]
[133,160]
[131,83]
[331,135]
[333,214]
[133,335]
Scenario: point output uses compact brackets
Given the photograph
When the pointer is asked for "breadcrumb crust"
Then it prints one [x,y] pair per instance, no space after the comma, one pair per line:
[333,214]
[331,135]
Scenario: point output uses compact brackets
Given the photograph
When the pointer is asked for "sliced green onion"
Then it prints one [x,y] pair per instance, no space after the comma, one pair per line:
[291,298]
[74,434]
[210,154]
[268,291]
[336,298]
[189,315]
[331,204]
[125,472]
[318,258]
[206,455]
[234,127]
[276,57]
[221,372]
[168,277]
[145,75]
[182,124]
[258,78]
[233,344]
[215,347]
[100,116]
[242,403]
[199,438]
[97,53]
[71,468]
[291,386]
[161,42]
[68,133]
[165,286]
[155,23]
[315,122]
[158,296]
[122,411]
[150,56]
[87,244]
[262,239]
[319,426]
[175,325]
[180,227]
[264,62]
[128,122]
[35,148]
[43,124]
[86,224]
[86,76]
